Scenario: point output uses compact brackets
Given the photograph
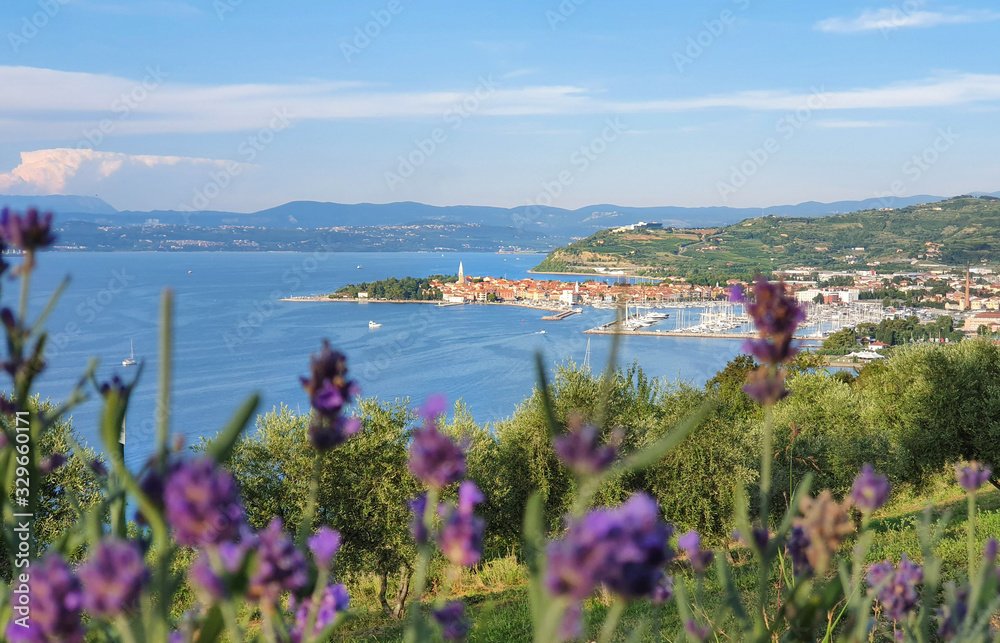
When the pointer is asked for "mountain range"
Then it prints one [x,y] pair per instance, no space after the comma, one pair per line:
[549,221]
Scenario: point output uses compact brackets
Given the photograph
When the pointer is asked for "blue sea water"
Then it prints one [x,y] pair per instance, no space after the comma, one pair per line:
[234,336]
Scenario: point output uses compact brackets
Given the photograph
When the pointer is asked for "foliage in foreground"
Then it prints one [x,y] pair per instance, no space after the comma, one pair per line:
[256,581]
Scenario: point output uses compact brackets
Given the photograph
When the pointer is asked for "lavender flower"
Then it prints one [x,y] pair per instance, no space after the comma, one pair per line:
[324,546]
[776,314]
[434,459]
[56,605]
[419,528]
[329,392]
[333,601]
[797,546]
[699,558]
[202,503]
[451,618]
[28,232]
[113,578]
[461,537]
[663,592]
[280,566]
[952,614]
[580,450]
[972,476]
[896,588]
[825,523]
[51,463]
[870,490]
[571,625]
[623,548]
[697,631]
[98,468]
[766,386]
[204,577]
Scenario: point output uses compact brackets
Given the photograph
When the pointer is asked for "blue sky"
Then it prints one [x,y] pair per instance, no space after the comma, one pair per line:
[243,104]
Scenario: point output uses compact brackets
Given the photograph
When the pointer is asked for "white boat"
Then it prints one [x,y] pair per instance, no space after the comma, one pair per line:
[130,360]
[359,266]
[372,324]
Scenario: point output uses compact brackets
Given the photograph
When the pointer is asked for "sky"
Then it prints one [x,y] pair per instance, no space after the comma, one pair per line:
[242,105]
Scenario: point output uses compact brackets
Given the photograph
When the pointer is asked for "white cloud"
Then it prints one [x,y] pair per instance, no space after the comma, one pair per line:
[889,19]
[859,124]
[45,104]
[51,171]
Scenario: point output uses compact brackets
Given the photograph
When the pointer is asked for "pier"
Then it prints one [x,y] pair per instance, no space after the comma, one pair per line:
[560,316]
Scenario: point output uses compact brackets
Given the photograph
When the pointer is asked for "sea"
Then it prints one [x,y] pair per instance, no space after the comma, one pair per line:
[233,335]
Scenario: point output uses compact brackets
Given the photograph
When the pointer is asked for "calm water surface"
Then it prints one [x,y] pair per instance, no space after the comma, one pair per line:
[233,336]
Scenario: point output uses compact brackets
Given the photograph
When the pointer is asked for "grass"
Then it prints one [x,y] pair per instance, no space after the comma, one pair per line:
[496,592]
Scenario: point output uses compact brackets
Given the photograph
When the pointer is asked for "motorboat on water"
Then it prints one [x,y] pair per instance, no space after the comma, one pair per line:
[372,324]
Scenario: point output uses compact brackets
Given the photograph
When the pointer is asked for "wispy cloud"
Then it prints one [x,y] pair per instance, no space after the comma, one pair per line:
[50,171]
[860,124]
[45,104]
[147,8]
[889,19]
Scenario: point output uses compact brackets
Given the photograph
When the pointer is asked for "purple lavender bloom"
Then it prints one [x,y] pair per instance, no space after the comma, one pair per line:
[766,386]
[896,587]
[990,550]
[972,476]
[663,592]
[28,232]
[737,295]
[280,566]
[56,605]
[419,528]
[580,449]
[329,392]
[153,481]
[434,459]
[767,352]
[334,601]
[324,546]
[203,577]
[571,625]
[870,490]
[699,558]
[698,632]
[461,537]
[952,614]
[798,544]
[115,385]
[202,503]
[623,548]
[434,406]
[51,463]
[451,618]
[113,577]
[775,313]
[98,468]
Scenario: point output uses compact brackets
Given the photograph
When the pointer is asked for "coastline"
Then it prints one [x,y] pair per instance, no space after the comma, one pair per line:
[436,302]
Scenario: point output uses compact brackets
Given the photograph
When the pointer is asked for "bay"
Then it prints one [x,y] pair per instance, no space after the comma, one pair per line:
[234,336]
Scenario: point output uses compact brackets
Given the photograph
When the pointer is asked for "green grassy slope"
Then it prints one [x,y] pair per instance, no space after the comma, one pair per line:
[963,229]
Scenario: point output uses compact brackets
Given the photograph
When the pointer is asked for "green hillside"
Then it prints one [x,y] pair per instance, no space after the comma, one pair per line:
[952,232]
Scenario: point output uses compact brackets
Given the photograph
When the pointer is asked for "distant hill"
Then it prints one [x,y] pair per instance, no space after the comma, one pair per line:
[952,232]
[547,221]
[59,203]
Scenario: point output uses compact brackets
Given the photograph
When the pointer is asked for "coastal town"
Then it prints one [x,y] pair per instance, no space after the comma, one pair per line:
[970,296]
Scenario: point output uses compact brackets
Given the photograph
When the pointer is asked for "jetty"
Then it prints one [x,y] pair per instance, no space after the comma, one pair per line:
[560,316]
